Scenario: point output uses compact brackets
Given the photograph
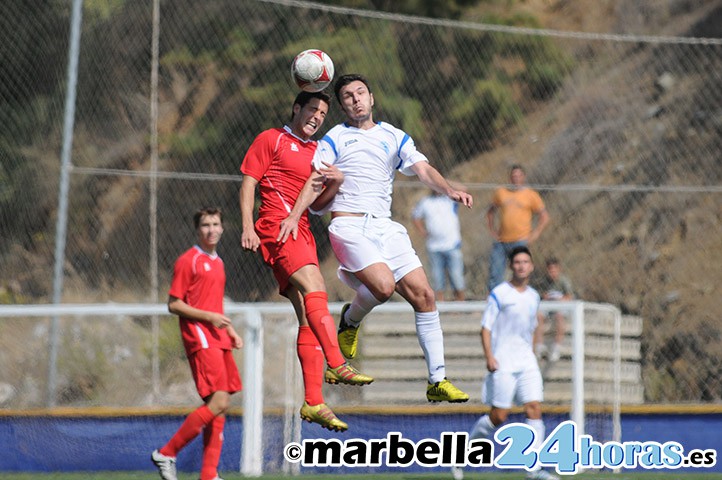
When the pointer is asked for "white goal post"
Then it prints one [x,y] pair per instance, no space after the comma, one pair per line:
[251,317]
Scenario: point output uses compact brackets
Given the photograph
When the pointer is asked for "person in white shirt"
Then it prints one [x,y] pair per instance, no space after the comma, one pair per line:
[375,253]
[507,334]
[436,217]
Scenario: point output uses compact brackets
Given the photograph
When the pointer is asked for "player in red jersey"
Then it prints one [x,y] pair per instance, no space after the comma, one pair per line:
[279,163]
[196,296]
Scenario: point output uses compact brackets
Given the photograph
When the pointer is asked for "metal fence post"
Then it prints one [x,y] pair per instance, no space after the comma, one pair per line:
[252,447]
[63,189]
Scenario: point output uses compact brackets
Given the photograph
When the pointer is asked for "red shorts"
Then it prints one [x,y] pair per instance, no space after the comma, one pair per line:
[285,258]
[214,370]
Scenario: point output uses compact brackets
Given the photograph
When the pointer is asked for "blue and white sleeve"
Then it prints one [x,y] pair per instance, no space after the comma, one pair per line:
[407,154]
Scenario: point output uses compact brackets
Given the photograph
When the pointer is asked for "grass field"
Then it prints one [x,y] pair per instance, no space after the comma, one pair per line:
[664,474]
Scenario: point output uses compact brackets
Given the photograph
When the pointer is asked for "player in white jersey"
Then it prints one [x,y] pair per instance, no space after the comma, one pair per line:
[375,253]
[507,333]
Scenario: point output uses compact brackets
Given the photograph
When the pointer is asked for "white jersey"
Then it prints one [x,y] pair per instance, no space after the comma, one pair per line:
[440,215]
[368,160]
[510,315]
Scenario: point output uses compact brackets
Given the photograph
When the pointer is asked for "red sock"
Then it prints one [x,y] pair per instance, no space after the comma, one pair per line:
[192,426]
[212,445]
[321,322]
[311,358]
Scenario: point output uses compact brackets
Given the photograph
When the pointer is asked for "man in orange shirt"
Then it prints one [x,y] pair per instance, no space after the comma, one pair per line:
[516,206]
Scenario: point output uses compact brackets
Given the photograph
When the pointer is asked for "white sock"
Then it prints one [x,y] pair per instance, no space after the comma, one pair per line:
[362,304]
[431,339]
[539,429]
[483,428]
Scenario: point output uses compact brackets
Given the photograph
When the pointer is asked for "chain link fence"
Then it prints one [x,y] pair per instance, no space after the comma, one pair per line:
[620,134]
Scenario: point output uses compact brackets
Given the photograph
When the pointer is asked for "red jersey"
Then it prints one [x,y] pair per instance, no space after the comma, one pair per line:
[199,279]
[281,162]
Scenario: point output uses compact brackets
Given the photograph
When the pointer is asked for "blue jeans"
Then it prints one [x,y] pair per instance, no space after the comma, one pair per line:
[448,261]
[498,260]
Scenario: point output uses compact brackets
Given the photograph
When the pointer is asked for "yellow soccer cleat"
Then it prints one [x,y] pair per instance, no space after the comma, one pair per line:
[347,336]
[445,391]
[322,415]
[346,374]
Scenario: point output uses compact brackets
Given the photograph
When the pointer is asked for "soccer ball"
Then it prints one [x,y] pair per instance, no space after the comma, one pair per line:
[312,70]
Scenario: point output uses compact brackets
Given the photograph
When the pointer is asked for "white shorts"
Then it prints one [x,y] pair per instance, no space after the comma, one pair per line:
[504,389]
[362,241]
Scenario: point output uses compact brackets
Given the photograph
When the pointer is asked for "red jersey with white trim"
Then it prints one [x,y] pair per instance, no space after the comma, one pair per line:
[199,279]
[281,162]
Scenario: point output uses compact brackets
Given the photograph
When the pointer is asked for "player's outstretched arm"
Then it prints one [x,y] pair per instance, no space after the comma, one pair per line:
[431,177]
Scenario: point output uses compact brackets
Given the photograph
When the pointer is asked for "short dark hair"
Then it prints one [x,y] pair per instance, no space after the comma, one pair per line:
[552,261]
[304,97]
[516,166]
[344,80]
[202,212]
[517,250]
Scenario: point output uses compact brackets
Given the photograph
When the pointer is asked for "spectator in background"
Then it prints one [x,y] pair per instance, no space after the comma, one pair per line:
[555,286]
[516,206]
[436,217]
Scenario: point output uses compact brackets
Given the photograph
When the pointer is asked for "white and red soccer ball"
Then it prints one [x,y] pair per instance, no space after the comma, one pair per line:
[312,70]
